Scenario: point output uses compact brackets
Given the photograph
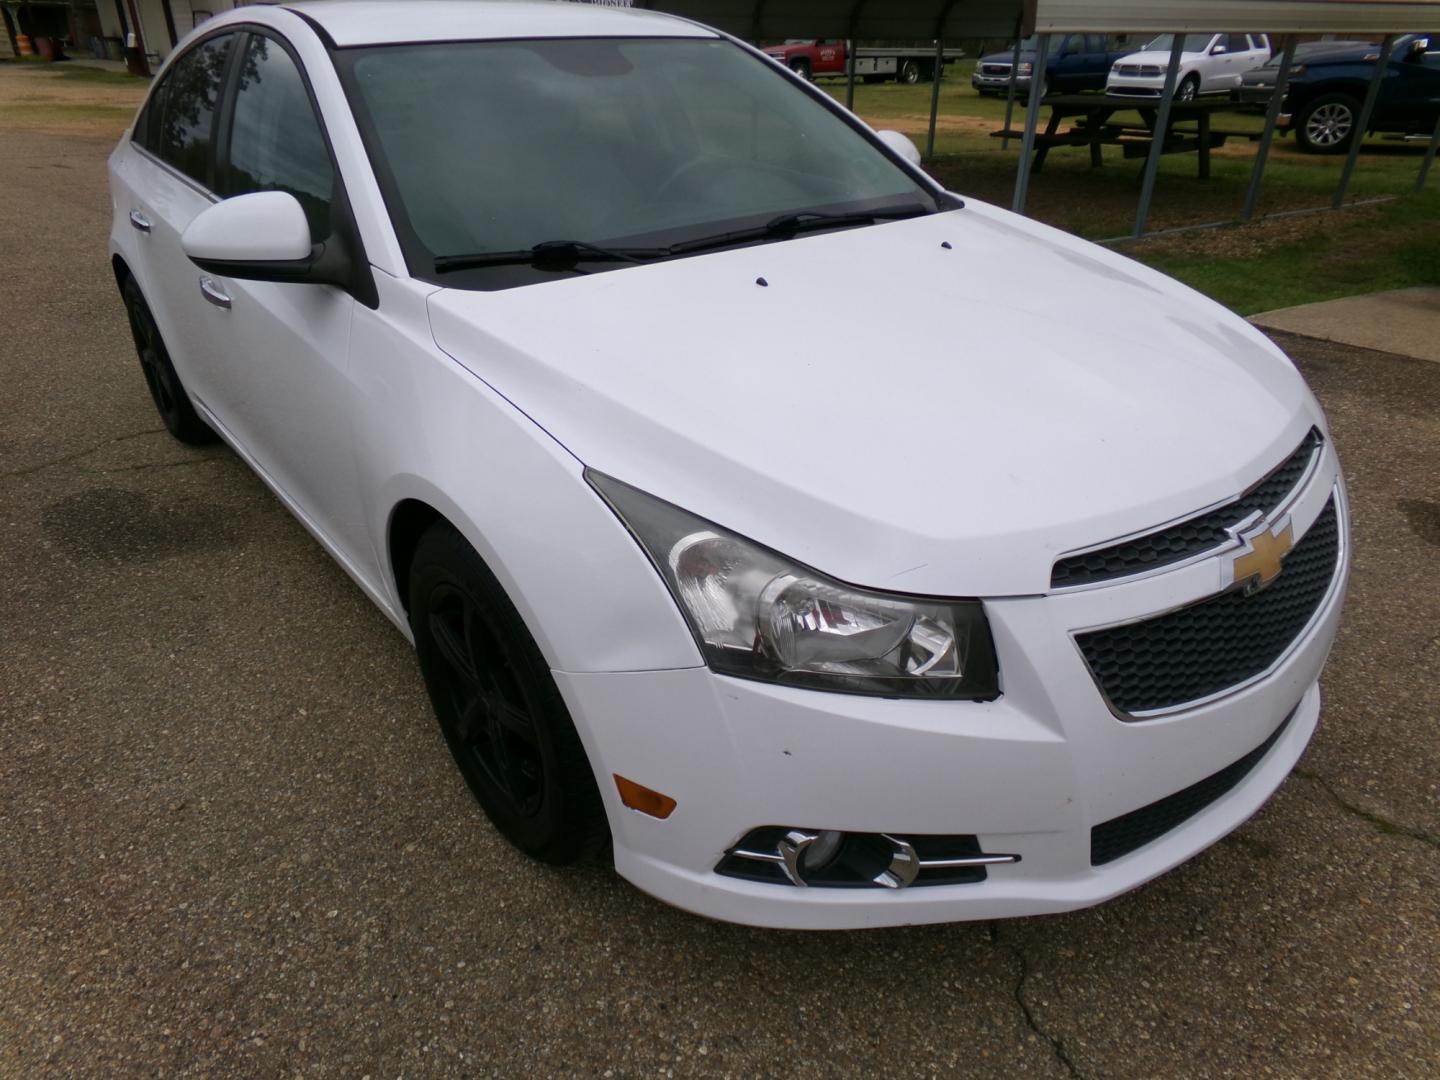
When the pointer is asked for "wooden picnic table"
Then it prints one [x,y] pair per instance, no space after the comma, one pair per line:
[1094,113]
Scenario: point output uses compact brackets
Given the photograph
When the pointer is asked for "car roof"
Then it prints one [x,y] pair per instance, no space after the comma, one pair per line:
[381,22]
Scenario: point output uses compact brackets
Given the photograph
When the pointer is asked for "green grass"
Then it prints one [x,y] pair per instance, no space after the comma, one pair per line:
[1331,255]
[1395,246]
[98,76]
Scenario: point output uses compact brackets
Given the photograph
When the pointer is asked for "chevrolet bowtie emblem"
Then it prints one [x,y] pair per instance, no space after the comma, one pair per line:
[1258,562]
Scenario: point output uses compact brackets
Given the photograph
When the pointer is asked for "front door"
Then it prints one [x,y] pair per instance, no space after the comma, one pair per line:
[279,382]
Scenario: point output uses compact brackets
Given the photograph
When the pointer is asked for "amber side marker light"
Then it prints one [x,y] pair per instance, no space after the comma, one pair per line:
[638,797]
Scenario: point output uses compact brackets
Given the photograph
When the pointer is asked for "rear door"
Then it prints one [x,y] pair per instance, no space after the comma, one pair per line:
[170,179]
[280,350]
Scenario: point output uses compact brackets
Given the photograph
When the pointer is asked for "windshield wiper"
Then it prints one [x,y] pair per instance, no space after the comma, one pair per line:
[550,255]
[568,254]
[792,224]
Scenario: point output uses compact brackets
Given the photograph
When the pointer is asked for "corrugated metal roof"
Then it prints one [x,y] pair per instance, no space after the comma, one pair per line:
[928,19]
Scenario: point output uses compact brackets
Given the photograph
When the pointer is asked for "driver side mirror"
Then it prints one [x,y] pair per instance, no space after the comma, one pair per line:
[903,145]
[264,236]
[1218,49]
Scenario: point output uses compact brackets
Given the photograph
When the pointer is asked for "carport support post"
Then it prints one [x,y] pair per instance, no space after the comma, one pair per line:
[1032,121]
[1157,137]
[1010,93]
[1429,158]
[1272,117]
[850,74]
[935,96]
[1362,122]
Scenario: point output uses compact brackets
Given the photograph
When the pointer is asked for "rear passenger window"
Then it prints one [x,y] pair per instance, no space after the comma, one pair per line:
[147,124]
[192,92]
[276,142]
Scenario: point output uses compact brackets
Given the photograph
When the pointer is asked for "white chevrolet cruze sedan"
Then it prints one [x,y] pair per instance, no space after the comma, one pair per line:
[835,552]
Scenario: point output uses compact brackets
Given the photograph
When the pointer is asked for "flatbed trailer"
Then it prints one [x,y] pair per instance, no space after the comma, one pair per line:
[819,58]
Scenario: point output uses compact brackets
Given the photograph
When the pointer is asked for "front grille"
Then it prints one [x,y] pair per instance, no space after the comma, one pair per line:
[1145,70]
[1219,643]
[995,69]
[1120,836]
[1193,537]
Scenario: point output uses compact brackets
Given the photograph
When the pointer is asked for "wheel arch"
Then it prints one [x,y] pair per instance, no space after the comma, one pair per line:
[120,268]
[409,520]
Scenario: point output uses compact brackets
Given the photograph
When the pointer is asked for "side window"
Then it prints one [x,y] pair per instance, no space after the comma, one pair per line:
[1097,43]
[191,95]
[276,143]
[1074,44]
[147,125]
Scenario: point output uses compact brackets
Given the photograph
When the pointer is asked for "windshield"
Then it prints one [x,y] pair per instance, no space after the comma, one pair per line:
[500,146]
[1193,43]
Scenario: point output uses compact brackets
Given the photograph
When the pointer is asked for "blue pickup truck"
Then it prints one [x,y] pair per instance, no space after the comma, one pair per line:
[1330,79]
[1076,62]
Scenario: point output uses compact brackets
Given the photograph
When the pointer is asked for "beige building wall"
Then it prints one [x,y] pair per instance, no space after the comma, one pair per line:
[186,15]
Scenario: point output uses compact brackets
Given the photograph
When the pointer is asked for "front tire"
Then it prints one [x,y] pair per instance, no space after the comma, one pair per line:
[166,390]
[1327,124]
[801,68]
[499,709]
[1189,88]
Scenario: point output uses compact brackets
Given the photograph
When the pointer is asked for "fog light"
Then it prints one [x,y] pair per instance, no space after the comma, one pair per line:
[821,853]
[828,858]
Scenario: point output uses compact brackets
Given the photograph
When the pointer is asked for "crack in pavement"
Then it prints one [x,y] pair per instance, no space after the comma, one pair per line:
[1057,1045]
[30,470]
[1381,823]
[162,464]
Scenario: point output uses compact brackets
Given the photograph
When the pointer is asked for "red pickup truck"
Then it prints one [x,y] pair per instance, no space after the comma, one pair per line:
[812,58]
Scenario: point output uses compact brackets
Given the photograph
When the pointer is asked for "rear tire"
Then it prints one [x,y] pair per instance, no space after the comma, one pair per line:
[1327,124]
[499,709]
[909,73]
[166,390]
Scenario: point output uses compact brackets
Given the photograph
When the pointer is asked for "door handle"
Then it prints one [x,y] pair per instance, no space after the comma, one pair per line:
[140,221]
[212,292]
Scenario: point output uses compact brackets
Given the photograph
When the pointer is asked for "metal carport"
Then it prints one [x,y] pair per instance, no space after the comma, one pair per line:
[948,20]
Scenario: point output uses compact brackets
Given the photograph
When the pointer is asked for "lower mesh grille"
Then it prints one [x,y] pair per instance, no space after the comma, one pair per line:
[1120,836]
[1209,647]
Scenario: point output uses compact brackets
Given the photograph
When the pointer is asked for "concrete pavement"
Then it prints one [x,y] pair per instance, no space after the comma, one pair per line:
[232,842]
[1405,322]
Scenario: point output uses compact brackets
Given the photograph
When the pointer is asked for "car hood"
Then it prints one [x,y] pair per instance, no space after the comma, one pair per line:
[892,411]
[1157,57]
[1005,58]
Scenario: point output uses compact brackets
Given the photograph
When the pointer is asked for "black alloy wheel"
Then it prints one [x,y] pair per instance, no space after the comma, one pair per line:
[499,709]
[166,390]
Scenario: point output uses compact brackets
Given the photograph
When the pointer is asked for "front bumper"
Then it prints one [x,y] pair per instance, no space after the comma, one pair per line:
[1031,773]
[1138,86]
[998,83]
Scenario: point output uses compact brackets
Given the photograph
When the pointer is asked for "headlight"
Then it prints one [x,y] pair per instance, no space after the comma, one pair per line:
[1025,69]
[757,615]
